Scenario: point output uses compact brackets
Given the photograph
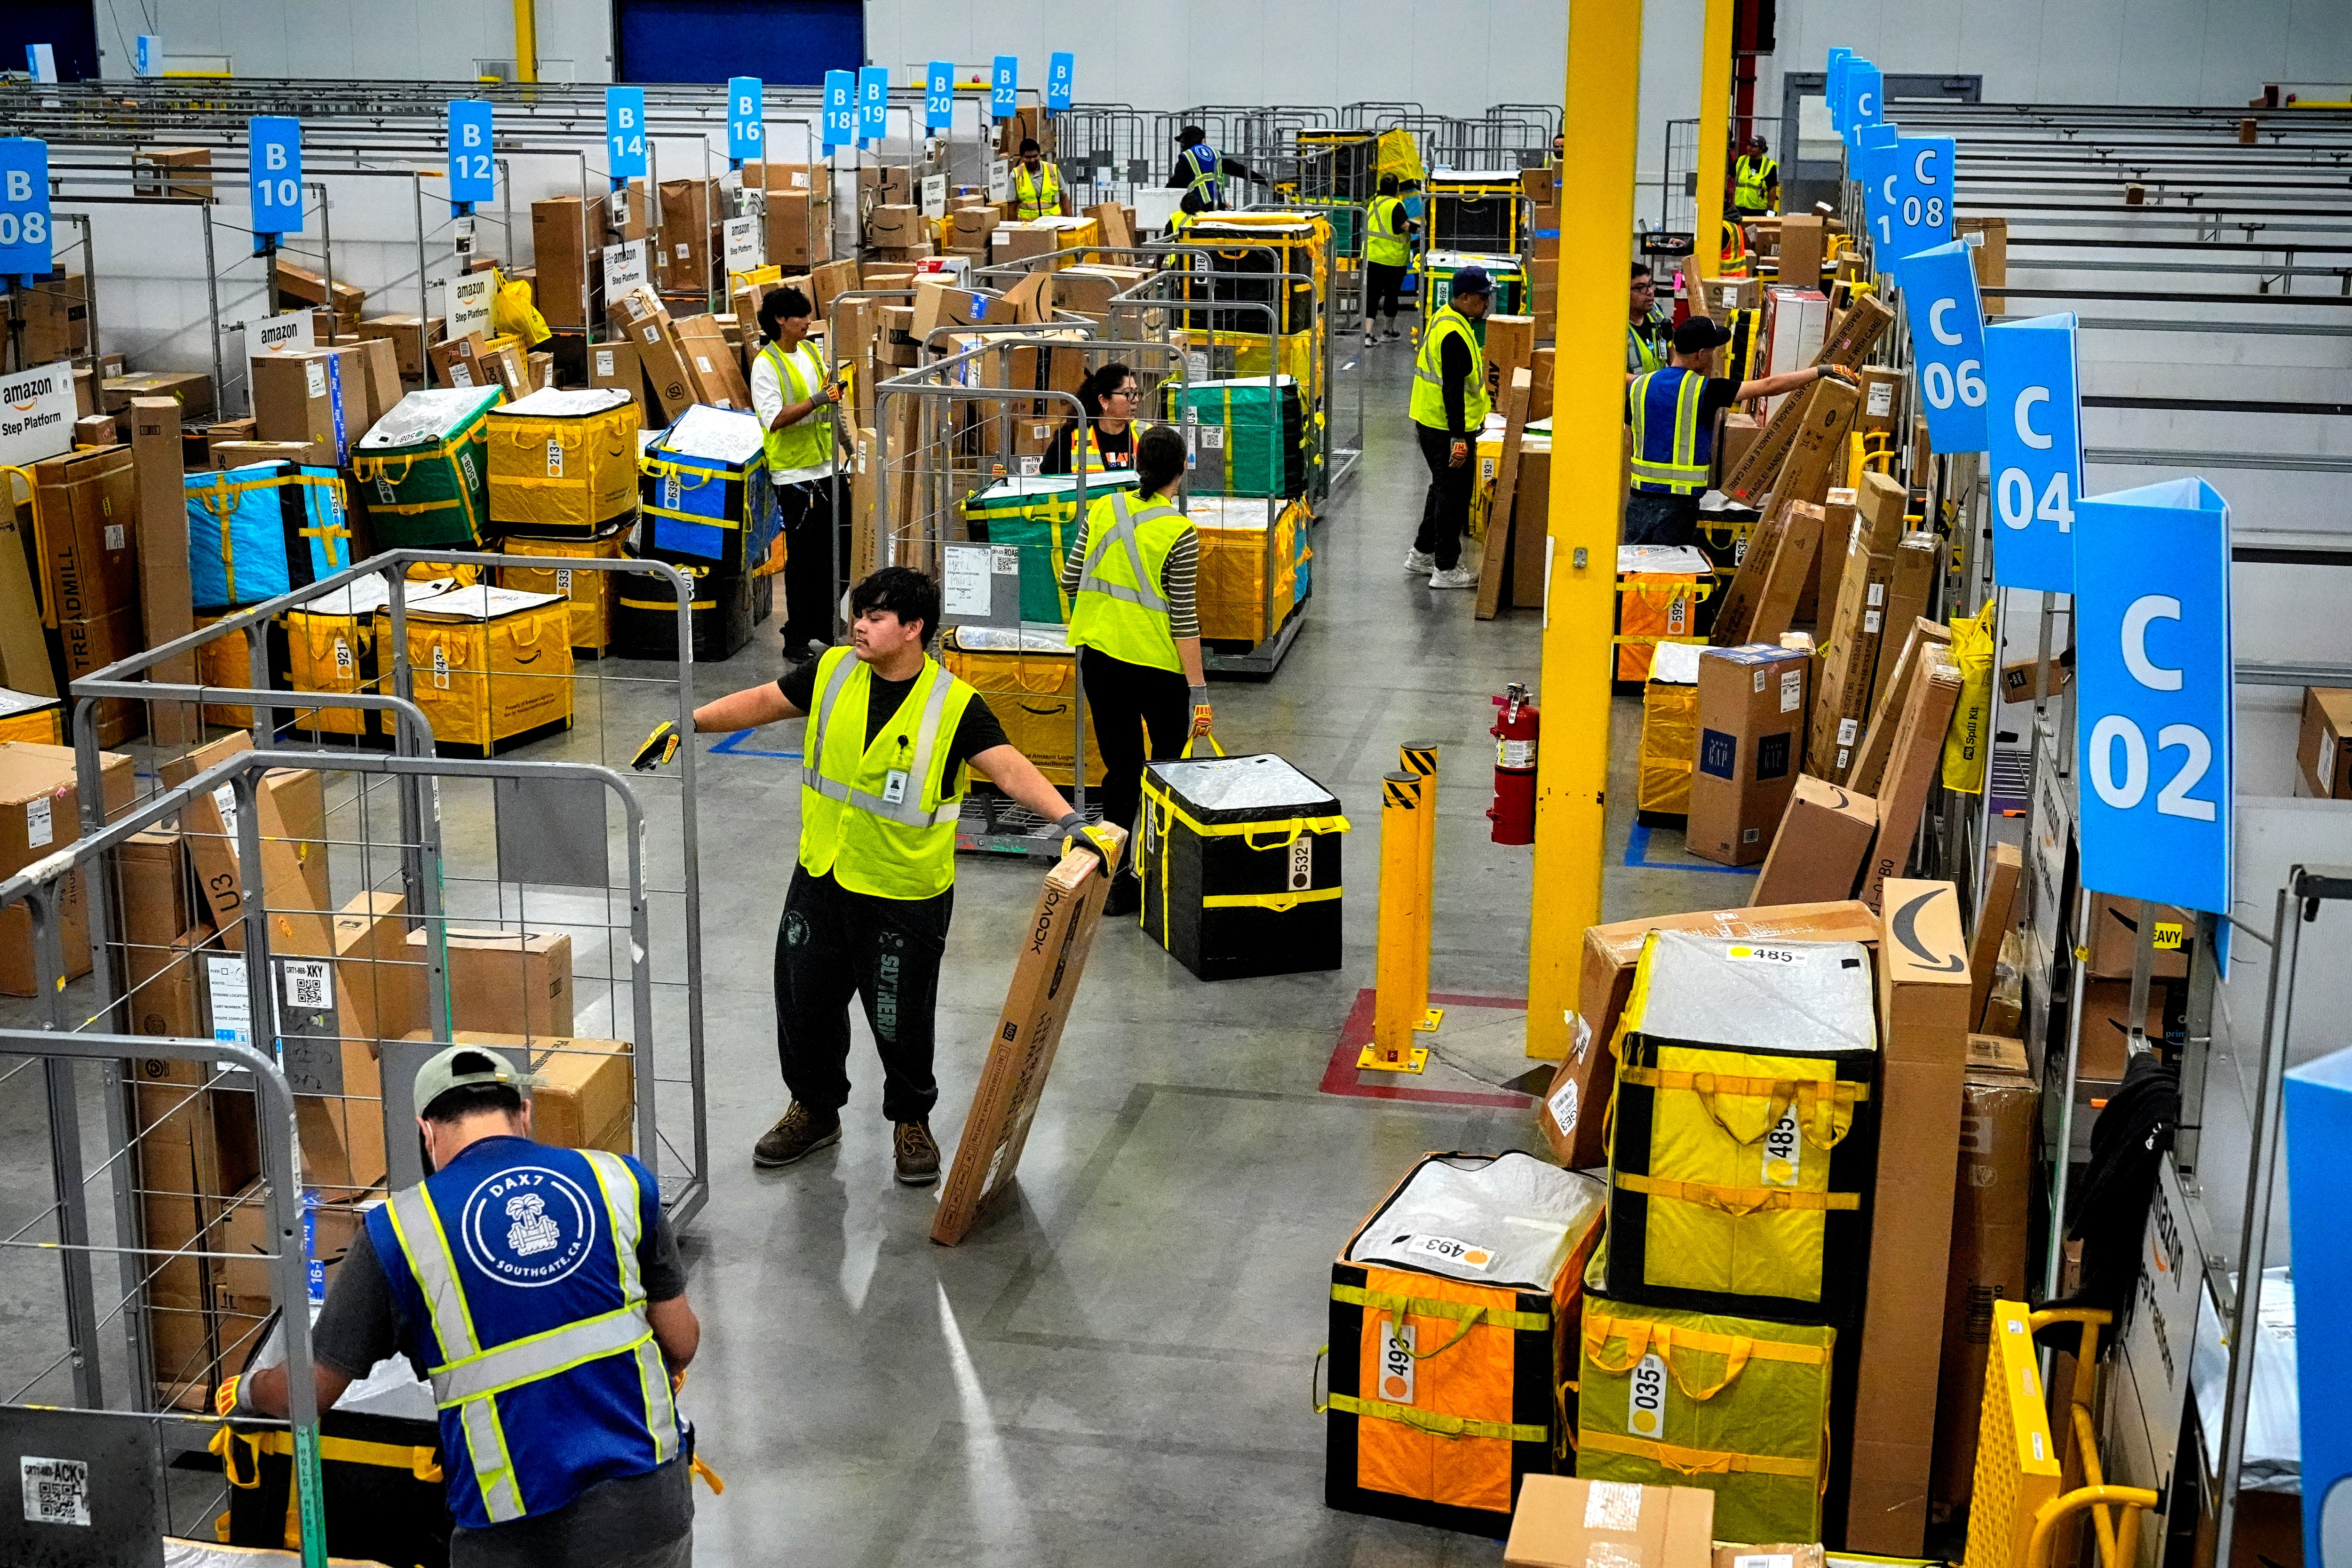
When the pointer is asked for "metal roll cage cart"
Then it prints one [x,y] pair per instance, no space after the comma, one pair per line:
[552,832]
[2202,1195]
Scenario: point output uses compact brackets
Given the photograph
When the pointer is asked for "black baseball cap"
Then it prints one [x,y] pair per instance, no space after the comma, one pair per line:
[1698,334]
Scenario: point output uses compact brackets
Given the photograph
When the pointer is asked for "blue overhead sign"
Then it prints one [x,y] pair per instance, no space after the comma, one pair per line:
[473,177]
[625,132]
[147,55]
[25,245]
[1833,88]
[1871,163]
[274,173]
[1004,88]
[939,95]
[2034,421]
[2155,692]
[746,119]
[1919,208]
[1060,74]
[872,103]
[1948,346]
[1865,104]
[840,108]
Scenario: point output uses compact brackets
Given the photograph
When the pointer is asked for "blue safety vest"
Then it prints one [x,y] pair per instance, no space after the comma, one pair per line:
[1203,169]
[516,1273]
[1672,446]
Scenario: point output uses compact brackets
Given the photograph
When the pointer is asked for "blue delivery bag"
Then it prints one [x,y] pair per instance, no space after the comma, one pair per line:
[264,530]
[705,492]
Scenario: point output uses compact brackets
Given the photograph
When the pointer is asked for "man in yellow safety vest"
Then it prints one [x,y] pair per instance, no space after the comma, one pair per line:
[1449,408]
[892,742]
[1755,180]
[1649,326]
[1037,185]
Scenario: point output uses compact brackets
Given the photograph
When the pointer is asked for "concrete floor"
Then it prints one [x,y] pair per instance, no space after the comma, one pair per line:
[1115,1368]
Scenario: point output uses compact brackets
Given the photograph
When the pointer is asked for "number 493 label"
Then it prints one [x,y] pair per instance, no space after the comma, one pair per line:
[1445,1249]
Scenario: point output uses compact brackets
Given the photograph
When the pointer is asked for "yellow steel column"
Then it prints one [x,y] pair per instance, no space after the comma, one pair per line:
[1714,131]
[526,17]
[1588,498]
[1420,758]
[1395,1011]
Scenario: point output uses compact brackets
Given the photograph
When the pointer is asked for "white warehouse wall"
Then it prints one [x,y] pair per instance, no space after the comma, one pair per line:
[2079,52]
[371,39]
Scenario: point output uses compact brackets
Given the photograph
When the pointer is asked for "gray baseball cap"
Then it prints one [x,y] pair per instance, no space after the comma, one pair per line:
[439,1074]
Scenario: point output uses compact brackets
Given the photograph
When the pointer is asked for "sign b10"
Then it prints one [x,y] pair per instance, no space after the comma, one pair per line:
[274,173]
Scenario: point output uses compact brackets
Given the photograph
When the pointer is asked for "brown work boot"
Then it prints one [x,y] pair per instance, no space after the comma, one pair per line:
[801,1132]
[916,1154]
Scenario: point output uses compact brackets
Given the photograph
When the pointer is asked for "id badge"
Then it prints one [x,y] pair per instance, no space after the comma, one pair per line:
[894,786]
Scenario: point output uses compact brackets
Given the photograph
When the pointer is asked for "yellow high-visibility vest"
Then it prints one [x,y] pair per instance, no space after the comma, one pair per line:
[881,818]
[1428,404]
[1118,607]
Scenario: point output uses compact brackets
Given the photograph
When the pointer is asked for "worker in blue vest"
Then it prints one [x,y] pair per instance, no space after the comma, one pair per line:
[891,745]
[539,1291]
[1200,173]
[1671,413]
[1755,180]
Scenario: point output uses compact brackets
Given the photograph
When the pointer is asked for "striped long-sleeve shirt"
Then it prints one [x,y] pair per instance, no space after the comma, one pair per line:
[1178,578]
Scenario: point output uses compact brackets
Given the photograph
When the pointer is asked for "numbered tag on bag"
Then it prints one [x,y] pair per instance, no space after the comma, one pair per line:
[441,668]
[1645,1405]
[894,786]
[1302,864]
[343,660]
[1396,1362]
[563,581]
[1783,1152]
[554,458]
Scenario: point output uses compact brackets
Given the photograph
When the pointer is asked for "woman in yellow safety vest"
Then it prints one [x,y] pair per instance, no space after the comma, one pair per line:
[795,396]
[1755,180]
[1037,185]
[1105,438]
[1388,252]
[1136,623]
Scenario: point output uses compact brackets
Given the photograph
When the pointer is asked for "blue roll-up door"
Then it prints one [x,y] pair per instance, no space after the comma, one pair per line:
[790,43]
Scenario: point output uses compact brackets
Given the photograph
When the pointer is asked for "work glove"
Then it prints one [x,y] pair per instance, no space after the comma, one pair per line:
[1077,833]
[659,747]
[230,1399]
[1838,372]
[1202,713]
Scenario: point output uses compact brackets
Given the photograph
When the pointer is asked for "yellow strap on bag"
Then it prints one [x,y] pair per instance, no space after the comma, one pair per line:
[1641,1334]
[1425,1307]
[1696,1461]
[1433,1424]
[1734,1201]
[1824,1119]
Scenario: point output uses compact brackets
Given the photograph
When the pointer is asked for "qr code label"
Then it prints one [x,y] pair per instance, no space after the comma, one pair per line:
[309,984]
[57,1491]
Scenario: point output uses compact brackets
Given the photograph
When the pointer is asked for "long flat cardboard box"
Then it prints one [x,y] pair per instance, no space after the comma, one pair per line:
[1869,769]
[1908,587]
[1055,943]
[1996,910]
[1911,768]
[1923,997]
[164,593]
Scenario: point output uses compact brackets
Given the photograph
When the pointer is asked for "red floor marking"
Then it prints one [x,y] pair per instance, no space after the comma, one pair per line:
[1342,1077]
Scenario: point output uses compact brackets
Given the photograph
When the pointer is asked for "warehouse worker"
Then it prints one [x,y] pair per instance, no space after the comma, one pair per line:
[891,743]
[1449,408]
[795,396]
[1110,394]
[1200,173]
[1671,413]
[1388,252]
[1037,185]
[539,1291]
[1755,180]
[1136,623]
[1649,326]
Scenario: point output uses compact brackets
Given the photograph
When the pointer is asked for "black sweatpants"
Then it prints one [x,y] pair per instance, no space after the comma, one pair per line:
[833,944]
[1127,700]
[1380,288]
[809,595]
[1446,510]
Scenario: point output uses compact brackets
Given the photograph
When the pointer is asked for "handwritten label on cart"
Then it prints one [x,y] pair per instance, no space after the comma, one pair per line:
[57,1491]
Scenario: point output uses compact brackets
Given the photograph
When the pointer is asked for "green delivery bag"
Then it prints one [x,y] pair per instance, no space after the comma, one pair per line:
[422,473]
[1037,514]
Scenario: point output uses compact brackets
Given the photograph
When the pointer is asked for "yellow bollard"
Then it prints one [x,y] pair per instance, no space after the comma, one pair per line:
[1420,758]
[1393,1014]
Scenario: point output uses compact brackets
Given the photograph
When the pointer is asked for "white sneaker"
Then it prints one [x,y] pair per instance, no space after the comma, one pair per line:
[1418,563]
[1454,577]
[1371,341]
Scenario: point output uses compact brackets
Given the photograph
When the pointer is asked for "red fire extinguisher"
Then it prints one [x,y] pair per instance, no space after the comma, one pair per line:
[1514,811]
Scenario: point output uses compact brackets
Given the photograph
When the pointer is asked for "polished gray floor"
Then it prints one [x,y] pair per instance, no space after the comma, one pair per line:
[1115,1368]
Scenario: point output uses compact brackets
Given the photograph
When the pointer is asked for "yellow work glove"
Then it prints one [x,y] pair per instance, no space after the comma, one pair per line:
[1077,833]
[228,1397]
[659,747]
[1202,713]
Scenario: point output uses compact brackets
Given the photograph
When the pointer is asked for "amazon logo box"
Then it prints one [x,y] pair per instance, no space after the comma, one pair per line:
[1817,852]
[1923,1008]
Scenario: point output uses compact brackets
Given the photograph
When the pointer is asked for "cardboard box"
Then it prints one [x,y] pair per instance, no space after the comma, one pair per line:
[586,1096]
[1510,345]
[940,304]
[1852,336]
[1992,1202]
[1802,241]
[799,229]
[315,395]
[164,595]
[1088,291]
[150,879]
[1819,601]
[2114,938]
[1800,447]
[1570,1116]
[2017,679]
[684,259]
[1562,1522]
[23,652]
[40,813]
[191,391]
[1882,399]
[1923,998]
[1791,566]
[716,369]
[1751,716]
[615,365]
[1869,769]
[89,645]
[1784,1554]
[1912,765]
[1020,241]
[237,454]
[640,318]
[895,225]
[303,286]
[1045,976]
[1824,839]
[410,337]
[291,896]
[88,503]
[2323,760]
[569,259]
[165,172]
[164,999]
[95,431]
[378,362]
[374,987]
[1849,662]
[504,983]
[1996,917]
[461,361]
[1908,586]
